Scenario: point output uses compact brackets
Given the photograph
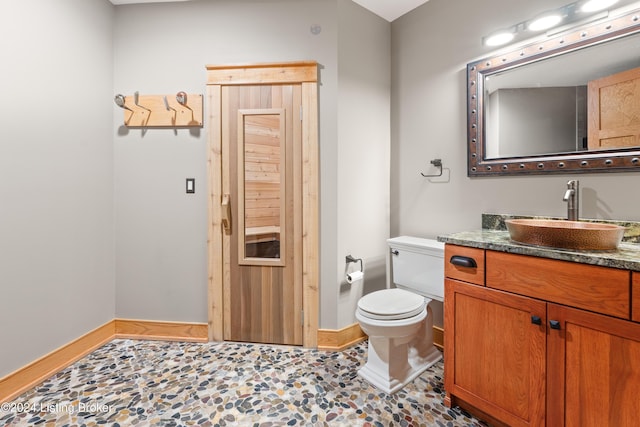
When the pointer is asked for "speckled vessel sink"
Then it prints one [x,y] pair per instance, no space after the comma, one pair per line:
[578,235]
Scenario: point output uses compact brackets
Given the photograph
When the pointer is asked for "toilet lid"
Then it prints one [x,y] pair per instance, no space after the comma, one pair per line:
[391,304]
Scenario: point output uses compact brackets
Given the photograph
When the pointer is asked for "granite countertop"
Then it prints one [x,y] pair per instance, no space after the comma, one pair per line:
[495,238]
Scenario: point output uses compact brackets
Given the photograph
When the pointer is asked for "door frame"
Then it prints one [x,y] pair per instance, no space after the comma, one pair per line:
[306,74]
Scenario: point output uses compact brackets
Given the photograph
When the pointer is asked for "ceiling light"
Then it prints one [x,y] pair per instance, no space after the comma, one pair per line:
[596,5]
[499,38]
[544,22]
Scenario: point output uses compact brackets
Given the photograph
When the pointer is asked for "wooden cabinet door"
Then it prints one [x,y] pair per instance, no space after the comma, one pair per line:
[495,349]
[593,374]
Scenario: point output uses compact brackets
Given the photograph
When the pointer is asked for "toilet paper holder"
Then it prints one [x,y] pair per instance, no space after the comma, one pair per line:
[349,259]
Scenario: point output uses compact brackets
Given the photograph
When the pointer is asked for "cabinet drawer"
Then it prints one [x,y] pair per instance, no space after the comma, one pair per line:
[600,289]
[635,294]
[454,258]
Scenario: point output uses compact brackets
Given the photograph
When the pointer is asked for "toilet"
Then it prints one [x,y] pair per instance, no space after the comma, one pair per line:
[398,320]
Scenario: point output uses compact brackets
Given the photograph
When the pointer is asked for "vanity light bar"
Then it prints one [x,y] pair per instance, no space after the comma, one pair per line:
[596,5]
[544,22]
[566,14]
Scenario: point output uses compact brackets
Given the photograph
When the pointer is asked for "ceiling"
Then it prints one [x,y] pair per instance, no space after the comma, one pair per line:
[387,9]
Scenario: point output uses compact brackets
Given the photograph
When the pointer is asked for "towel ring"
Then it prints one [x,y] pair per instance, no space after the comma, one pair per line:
[349,259]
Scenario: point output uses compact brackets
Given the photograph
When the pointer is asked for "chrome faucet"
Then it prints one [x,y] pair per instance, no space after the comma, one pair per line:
[572,197]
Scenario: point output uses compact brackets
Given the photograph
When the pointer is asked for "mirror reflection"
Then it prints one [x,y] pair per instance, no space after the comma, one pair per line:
[553,100]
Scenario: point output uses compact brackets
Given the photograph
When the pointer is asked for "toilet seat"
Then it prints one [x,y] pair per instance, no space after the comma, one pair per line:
[391,304]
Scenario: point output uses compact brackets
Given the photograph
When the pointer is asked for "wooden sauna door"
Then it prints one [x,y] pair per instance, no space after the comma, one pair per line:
[614,111]
[261,137]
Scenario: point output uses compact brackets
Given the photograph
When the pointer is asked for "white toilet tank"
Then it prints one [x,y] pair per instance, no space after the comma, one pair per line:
[418,265]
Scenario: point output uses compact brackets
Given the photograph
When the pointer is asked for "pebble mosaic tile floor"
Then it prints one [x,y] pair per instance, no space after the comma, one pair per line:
[153,383]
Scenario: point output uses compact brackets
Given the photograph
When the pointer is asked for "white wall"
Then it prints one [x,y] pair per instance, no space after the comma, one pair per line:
[430,49]
[56,180]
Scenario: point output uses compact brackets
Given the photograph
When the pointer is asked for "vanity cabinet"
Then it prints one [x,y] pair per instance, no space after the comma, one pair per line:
[542,342]
[635,293]
[494,354]
[593,369]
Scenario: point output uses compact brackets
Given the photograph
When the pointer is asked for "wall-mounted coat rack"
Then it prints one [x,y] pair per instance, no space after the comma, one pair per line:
[161,111]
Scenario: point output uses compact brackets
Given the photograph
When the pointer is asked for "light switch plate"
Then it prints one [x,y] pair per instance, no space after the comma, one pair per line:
[191,185]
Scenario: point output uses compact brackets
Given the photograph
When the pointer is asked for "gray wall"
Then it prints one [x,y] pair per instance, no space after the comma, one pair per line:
[56,168]
[363,165]
[95,222]
[430,49]
[161,232]
[92,211]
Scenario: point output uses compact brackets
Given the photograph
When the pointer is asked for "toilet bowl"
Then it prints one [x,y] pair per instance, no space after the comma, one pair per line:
[398,321]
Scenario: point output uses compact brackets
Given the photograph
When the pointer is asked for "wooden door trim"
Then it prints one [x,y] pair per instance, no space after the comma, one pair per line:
[306,74]
[263,73]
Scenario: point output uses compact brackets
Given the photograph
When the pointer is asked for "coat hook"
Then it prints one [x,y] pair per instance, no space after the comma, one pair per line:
[166,105]
[437,163]
[181,97]
[170,108]
[120,102]
[136,99]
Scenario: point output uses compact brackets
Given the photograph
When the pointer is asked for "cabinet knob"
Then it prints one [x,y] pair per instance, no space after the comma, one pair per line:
[554,324]
[463,261]
[536,320]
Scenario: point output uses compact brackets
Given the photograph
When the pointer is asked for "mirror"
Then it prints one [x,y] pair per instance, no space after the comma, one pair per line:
[570,103]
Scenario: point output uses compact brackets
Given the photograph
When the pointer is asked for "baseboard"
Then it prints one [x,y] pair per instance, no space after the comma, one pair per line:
[164,331]
[39,370]
[336,340]
[332,339]
[438,337]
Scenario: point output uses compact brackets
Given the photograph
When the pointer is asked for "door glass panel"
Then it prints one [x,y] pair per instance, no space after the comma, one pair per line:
[261,182]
